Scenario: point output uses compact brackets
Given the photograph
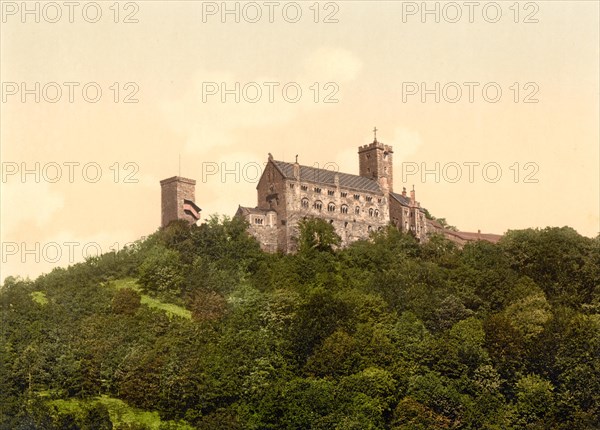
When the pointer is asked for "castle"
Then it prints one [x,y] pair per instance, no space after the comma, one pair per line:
[355,205]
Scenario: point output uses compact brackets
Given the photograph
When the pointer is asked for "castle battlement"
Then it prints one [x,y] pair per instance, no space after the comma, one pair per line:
[373,145]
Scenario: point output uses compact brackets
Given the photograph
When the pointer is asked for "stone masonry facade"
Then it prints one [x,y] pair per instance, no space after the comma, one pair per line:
[177,200]
[355,205]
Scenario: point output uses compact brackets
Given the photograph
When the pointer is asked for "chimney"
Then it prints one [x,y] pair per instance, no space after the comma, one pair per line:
[412,196]
[403,191]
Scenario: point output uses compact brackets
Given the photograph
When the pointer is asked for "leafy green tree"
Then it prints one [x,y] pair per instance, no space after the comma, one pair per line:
[161,273]
[126,301]
[317,235]
[535,402]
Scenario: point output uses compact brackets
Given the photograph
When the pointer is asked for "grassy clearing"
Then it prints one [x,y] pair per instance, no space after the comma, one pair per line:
[119,412]
[39,297]
[169,308]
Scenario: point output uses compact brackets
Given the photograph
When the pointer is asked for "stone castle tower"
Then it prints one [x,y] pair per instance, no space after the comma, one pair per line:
[177,200]
[375,162]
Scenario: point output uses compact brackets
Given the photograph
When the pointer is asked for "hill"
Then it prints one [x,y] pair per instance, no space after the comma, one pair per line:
[196,327]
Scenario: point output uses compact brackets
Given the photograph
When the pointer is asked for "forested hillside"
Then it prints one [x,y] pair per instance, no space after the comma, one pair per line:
[195,327]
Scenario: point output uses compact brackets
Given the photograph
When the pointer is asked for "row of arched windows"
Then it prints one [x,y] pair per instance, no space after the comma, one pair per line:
[374,212]
[318,205]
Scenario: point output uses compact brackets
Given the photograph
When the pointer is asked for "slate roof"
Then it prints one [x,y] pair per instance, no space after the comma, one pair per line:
[246,211]
[403,200]
[469,236]
[326,177]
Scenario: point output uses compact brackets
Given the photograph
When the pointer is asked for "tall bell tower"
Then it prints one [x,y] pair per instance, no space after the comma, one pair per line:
[375,162]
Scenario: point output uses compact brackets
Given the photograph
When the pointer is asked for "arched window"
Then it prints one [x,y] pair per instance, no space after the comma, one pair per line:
[331,207]
[344,209]
[370,211]
[357,210]
[305,203]
[318,205]
[376,213]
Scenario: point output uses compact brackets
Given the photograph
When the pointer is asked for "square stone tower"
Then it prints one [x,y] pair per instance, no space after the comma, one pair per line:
[177,200]
[375,162]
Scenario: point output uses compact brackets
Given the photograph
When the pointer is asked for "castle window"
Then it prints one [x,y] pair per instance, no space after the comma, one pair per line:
[378,200]
[357,210]
[283,222]
[368,170]
[317,190]
[304,203]
[292,186]
[370,211]
[344,209]
[318,205]
[369,228]
[330,193]
[331,207]
[369,198]
[346,224]
[258,221]
[344,194]
[376,213]
[303,187]
[368,156]
[356,197]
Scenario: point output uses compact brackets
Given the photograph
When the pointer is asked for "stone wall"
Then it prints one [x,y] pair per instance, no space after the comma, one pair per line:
[173,192]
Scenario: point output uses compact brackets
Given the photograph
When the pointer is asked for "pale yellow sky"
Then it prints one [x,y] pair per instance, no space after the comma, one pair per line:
[374,57]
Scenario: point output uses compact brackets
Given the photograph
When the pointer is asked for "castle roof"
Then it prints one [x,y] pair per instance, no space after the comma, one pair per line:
[243,210]
[327,177]
[405,201]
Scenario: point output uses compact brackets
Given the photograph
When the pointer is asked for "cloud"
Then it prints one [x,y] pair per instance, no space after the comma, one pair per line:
[332,64]
[28,203]
[405,142]
[208,123]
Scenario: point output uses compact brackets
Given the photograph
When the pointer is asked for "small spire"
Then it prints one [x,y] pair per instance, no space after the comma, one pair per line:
[375,135]
[296,158]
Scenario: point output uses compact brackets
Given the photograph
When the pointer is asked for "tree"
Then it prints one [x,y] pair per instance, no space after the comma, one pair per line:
[161,272]
[126,301]
[318,235]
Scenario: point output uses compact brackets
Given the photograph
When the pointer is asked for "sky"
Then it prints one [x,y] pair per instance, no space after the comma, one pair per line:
[492,109]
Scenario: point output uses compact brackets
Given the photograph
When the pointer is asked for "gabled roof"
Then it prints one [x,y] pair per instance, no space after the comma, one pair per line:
[242,210]
[470,236]
[326,177]
[405,201]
